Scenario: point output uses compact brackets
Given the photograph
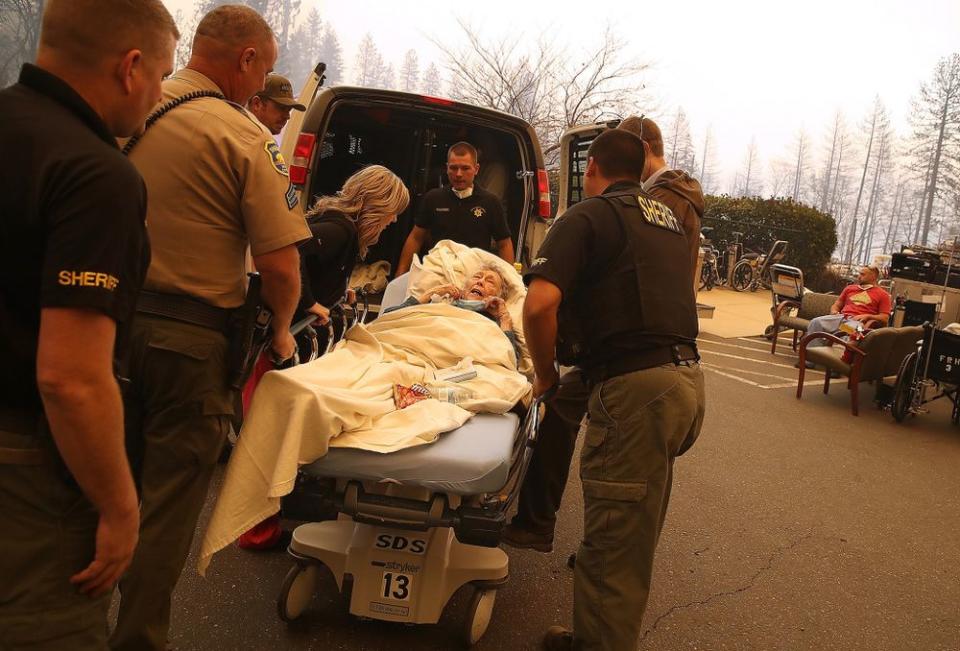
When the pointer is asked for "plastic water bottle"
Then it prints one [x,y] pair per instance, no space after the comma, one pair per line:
[453,395]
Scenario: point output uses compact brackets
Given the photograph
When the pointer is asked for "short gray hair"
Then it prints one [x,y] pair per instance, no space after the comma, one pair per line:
[504,287]
[235,26]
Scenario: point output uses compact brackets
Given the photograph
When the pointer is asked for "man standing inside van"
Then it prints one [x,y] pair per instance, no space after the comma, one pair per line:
[463,212]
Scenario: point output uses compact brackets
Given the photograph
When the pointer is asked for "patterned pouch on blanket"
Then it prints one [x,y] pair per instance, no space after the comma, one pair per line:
[403,396]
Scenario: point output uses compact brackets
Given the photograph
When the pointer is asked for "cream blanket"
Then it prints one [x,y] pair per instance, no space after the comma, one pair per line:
[453,263]
[345,399]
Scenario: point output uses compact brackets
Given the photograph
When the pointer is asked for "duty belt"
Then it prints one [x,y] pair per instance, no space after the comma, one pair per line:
[676,354]
[185,309]
[20,440]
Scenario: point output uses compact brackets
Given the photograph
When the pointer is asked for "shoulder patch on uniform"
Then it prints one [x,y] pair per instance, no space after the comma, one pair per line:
[276,158]
[292,197]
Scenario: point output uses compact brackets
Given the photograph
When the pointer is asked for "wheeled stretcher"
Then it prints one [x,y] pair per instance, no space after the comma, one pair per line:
[413,526]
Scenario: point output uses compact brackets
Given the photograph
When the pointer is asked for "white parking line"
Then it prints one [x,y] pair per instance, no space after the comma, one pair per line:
[780,385]
[752,350]
[758,373]
[753,341]
[746,359]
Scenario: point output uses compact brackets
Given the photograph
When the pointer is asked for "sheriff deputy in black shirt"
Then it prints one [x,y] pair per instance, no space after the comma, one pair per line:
[611,291]
[73,254]
[464,212]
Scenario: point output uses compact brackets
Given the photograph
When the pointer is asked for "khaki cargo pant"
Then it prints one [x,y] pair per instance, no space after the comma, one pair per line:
[639,423]
[49,534]
[178,410]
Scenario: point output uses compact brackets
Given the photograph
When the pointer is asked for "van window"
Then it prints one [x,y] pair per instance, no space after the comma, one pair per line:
[578,165]
[413,143]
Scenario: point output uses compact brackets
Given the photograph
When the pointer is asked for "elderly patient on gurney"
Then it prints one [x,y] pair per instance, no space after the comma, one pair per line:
[484,294]
[448,351]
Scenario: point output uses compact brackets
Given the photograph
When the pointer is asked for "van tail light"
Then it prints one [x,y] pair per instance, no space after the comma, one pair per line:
[302,153]
[543,187]
[439,101]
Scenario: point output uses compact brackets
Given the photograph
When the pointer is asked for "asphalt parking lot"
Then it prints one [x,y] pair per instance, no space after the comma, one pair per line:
[793,525]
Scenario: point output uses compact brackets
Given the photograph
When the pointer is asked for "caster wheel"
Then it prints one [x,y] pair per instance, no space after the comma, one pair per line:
[478,615]
[297,591]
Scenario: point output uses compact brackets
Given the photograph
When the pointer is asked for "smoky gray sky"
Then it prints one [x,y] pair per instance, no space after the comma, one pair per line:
[744,68]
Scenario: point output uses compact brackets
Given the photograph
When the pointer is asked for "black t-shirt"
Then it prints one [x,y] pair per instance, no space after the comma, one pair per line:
[72,231]
[327,259]
[474,221]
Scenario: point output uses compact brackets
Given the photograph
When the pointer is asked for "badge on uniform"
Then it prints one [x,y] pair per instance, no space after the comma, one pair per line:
[478,212]
[276,158]
[293,198]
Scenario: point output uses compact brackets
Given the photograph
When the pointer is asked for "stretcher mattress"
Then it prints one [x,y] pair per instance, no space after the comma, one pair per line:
[472,459]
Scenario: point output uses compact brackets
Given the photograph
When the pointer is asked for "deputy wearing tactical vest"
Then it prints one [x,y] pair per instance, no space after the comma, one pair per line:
[611,292]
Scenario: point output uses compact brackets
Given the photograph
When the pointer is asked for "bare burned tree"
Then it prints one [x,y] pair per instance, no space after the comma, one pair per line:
[431,80]
[679,150]
[936,125]
[708,163]
[800,165]
[746,183]
[549,86]
[410,72]
[19,35]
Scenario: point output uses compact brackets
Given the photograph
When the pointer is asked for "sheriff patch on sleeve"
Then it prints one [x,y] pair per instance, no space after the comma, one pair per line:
[292,197]
[276,158]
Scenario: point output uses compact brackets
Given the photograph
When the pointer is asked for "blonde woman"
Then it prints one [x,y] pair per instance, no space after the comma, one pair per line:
[344,227]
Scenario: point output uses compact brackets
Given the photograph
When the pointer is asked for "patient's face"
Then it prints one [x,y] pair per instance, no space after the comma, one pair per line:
[483,284]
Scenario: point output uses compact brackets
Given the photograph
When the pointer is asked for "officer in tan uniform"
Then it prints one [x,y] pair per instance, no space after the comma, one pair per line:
[217,185]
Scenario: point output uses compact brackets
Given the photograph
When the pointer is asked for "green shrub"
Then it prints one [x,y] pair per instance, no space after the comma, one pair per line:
[812,234]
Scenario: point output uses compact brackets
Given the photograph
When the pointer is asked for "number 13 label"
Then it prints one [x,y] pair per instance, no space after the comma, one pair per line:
[396,586]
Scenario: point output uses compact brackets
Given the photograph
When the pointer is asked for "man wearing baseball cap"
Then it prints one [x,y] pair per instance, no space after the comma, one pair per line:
[273,104]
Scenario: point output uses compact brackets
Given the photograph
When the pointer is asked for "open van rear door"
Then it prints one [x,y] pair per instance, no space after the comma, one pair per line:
[311,87]
[573,161]
[574,144]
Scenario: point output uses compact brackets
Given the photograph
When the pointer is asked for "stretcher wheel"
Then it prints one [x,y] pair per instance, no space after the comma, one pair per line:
[297,591]
[478,615]
[903,391]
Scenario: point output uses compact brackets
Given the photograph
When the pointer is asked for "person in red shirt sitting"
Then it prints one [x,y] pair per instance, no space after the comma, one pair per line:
[862,302]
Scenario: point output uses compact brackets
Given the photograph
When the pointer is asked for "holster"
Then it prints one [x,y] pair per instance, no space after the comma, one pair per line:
[247,327]
[249,334]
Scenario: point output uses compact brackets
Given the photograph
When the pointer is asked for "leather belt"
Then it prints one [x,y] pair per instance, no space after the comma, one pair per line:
[676,354]
[22,457]
[20,449]
[185,309]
